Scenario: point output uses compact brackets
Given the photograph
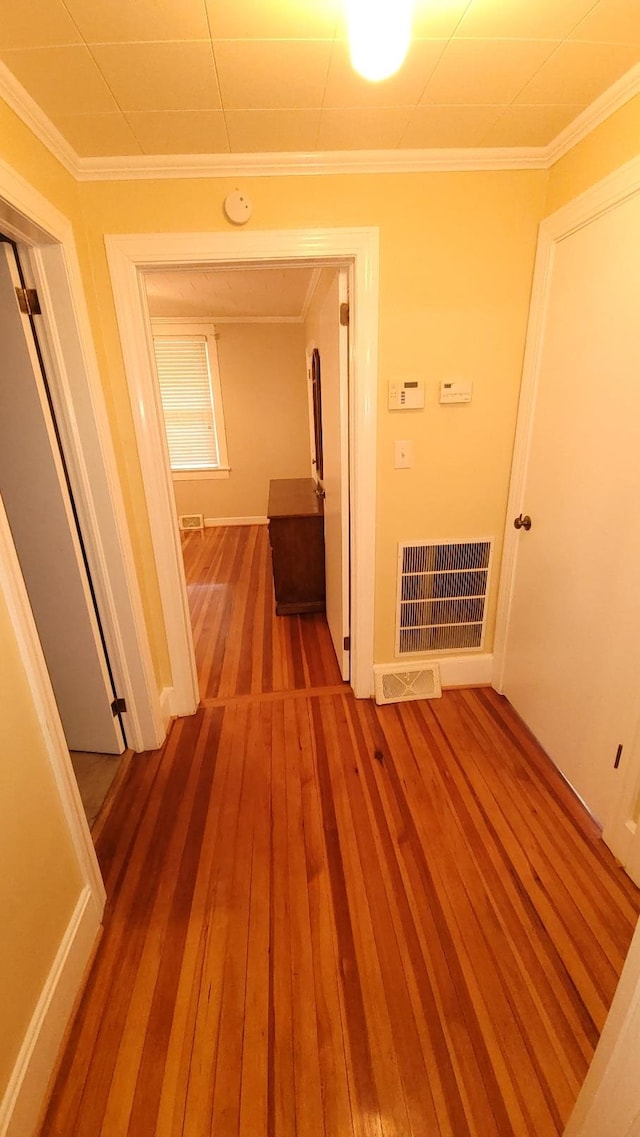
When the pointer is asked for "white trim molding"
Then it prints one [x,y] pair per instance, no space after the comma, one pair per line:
[129,256]
[161,166]
[25,1094]
[219,522]
[455,670]
[465,670]
[592,116]
[621,834]
[314,162]
[13,589]
[30,113]
[608,1104]
[50,259]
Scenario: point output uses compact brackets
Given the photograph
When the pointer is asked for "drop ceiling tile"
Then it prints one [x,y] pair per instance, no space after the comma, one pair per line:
[530,126]
[62,80]
[94,135]
[578,72]
[444,126]
[121,21]
[275,19]
[36,23]
[160,76]
[180,132]
[485,71]
[267,74]
[611,21]
[272,130]
[345,88]
[380,128]
[437,19]
[526,19]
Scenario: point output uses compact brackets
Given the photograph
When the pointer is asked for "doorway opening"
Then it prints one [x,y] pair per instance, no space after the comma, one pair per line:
[130,257]
[38,499]
[237,352]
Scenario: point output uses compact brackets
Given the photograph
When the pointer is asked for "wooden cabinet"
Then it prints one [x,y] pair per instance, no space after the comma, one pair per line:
[296,533]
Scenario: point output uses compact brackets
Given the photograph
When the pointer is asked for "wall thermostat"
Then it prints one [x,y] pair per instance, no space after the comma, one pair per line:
[237,207]
[458,391]
[406,394]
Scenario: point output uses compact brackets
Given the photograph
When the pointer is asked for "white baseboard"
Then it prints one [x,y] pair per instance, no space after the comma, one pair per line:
[214,522]
[22,1103]
[455,670]
[466,670]
[166,706]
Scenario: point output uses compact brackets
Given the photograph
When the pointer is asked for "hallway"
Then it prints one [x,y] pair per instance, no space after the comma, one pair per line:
[329,918]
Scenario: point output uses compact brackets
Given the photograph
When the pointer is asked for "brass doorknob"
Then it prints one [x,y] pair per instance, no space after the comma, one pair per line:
[521,522]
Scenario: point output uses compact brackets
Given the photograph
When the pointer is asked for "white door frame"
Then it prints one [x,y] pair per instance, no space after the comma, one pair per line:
[129,255]
[49,257]
[622,833]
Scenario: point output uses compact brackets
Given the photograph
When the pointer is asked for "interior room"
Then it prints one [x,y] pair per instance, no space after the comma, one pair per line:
[256,332]
[373,869]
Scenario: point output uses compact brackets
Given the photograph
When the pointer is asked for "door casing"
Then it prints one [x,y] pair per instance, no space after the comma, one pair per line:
[129,256]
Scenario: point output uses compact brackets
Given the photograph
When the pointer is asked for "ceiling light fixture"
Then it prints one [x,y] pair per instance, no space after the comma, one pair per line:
[379,36]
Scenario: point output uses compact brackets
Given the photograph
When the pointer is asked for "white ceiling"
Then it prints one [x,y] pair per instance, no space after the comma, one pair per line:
[230,293]
[152,77]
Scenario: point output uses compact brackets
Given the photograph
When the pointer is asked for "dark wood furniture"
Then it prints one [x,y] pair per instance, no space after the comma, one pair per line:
[296,533]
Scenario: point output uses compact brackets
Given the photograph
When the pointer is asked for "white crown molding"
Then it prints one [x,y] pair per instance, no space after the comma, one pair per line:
[160,166]
[27,109]
[154,167]
[592,116]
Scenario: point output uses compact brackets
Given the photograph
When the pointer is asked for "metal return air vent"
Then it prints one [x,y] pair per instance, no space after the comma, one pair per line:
[416,681]
[191,521]
[442,591]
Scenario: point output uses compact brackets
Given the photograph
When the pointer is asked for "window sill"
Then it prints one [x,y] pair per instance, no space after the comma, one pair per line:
[200,475]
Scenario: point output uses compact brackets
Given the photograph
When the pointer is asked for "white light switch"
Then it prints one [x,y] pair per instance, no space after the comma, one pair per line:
[403,455]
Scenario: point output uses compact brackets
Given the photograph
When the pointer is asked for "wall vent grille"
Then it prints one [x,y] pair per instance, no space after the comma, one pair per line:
[442,592]
[417,681]
[191,521]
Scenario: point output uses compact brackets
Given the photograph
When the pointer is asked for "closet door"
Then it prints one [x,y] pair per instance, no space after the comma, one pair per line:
[40,512]
[573,643]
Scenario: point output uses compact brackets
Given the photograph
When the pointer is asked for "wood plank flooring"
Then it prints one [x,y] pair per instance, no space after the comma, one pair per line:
[241,646]
[328,919]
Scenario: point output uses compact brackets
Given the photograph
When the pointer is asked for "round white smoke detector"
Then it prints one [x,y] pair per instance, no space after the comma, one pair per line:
[237,207]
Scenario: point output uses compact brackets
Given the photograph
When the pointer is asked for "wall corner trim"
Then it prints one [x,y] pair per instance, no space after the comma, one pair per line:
[25,1094]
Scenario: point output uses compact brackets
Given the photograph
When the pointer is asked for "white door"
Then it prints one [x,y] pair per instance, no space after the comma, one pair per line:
[40,513]
[573,642]
[334,364]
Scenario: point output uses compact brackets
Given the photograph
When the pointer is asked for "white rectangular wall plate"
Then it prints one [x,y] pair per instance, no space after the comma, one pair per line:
[406,394]
[456,391]
[403,455]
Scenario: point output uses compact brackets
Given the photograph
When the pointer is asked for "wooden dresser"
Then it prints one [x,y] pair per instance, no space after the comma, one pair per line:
[296,533]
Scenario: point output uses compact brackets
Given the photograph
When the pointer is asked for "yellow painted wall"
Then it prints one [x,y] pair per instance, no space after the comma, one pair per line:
[456,263]
[40,880]
[264,395]
[610,145]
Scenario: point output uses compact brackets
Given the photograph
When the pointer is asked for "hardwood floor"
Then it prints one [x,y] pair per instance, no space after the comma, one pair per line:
[241,646]
[329,919]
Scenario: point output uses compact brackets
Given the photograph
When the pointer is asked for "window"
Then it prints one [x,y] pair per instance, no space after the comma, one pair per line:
[191,401]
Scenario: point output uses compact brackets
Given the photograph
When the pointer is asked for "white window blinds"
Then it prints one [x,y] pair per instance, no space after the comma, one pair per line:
[187,401]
